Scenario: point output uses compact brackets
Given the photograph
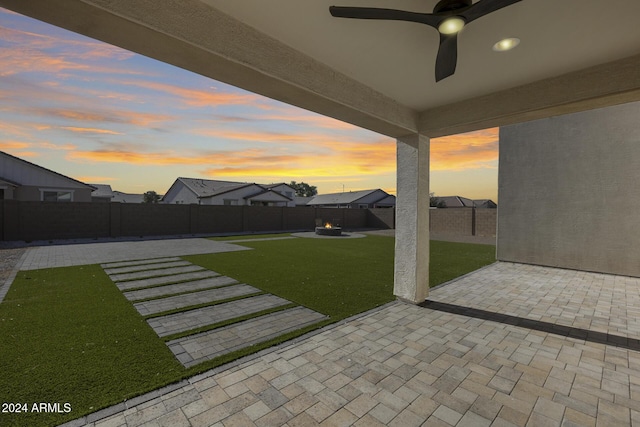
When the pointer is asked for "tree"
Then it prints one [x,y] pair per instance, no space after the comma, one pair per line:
[434,202]
[150,197]
[303,189]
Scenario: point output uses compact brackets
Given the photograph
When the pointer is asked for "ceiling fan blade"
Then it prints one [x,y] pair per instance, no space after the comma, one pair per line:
[484,7]
[387,14]
[447,56]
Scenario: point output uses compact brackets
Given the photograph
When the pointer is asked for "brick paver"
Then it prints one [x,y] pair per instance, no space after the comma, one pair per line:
[163,280]
[194,298]
[109,252]
[197,348]
[409,365]
[192,319]
[139,262]
[166,295]
[594,301]
[193,285]
[146,266]
[146,274]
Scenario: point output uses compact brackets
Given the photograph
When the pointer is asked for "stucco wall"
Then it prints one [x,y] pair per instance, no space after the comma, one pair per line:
[568,191]
[180,194]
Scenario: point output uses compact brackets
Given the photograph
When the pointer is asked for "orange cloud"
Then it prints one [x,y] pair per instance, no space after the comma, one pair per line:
[25,154]
[170,158]
[471,150]
[90,130]
[13,145]
[316,121]
[366,157]
[198,98]
[265,136]
[51,146]
[108,116]
[13,129]
[96,179]
[31,52]
[345,159]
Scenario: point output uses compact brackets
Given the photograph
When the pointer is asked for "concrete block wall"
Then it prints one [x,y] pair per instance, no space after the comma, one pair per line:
[147,219]
[381,218]
[24,220]
[452,221]
[568,191]
[21,220]
[220,219]
[265,218]
[49,220]
[301,218]
[486,222]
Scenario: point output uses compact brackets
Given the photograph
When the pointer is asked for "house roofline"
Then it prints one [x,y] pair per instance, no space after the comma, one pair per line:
[208,196]
[268,190]
[8,181]
[47,170]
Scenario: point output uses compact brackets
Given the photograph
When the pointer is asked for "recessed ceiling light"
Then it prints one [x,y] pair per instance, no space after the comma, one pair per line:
[506,44]
[451,25]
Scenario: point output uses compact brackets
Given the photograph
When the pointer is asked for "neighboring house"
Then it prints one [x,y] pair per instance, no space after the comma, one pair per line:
[302,201]
[23,180]
[102,193]
[215,192]
[485,204]
[284,189]
[463,202]
[121,197]
[355,199]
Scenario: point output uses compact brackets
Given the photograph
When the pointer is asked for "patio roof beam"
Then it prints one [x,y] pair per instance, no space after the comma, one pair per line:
[604,85]
[192,35]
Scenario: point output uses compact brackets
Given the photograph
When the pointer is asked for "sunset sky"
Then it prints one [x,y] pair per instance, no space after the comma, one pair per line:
[104,115]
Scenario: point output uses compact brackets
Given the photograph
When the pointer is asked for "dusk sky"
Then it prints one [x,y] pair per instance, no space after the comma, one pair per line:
[101,114]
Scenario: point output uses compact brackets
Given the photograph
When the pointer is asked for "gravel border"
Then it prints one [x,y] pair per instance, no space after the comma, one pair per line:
[10,262]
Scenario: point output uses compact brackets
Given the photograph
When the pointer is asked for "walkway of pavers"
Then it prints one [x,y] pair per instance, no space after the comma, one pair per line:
[105,252]
[405,365]
[159,287]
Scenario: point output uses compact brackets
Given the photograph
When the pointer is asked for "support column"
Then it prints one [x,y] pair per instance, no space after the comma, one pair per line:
[411,270]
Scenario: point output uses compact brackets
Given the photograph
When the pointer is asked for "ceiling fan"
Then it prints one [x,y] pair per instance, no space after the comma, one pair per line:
[448,17]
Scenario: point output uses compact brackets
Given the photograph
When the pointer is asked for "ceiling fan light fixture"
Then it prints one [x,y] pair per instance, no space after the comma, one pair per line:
[506,44]
[451,25]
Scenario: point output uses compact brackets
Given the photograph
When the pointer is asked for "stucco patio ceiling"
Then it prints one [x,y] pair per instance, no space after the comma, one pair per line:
[573,55]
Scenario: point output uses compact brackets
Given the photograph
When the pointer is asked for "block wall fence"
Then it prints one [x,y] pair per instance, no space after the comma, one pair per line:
[463,221]
[29,221]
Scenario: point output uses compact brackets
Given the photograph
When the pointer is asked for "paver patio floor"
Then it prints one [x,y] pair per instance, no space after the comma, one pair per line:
[579,299]
[405,365]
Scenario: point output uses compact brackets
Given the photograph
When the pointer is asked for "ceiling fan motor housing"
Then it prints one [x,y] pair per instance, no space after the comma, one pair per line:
[445,6]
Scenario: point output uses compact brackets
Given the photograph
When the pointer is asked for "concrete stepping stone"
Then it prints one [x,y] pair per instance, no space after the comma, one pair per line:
[174,278]
[168,290]
[154,273]
[139,262]
[143,267]
[192,319]
[185,300]
[198,348]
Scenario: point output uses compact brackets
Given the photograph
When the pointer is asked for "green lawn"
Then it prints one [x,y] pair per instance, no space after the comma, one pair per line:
[449,260]
[69,335]
[333,276]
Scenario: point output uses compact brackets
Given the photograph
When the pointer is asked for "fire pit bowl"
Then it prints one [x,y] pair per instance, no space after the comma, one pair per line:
[329,230]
